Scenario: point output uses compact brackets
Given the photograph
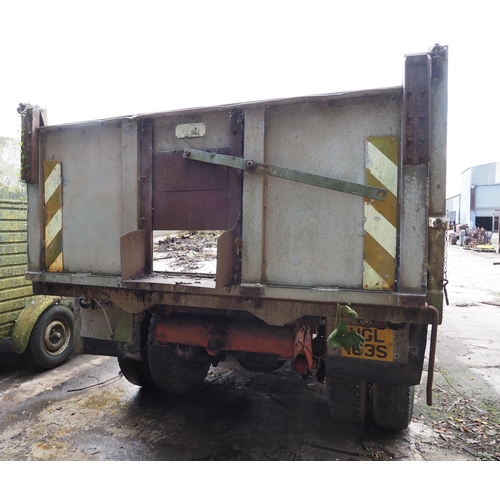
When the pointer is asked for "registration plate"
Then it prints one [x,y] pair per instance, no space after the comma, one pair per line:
[378,346]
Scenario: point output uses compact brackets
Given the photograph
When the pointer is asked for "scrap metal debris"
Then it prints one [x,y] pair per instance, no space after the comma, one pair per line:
[187,252]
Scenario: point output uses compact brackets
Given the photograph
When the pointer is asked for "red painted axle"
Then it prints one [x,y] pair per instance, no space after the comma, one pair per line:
[249,336]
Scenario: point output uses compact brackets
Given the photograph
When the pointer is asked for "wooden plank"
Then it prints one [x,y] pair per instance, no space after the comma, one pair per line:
[15,282]
[14,305]
[13,248]
[9,213]
[16,293]
[7,272]
[13,225]
[14,259]
[12,237]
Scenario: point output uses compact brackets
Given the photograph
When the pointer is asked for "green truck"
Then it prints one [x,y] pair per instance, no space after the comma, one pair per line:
[39,326]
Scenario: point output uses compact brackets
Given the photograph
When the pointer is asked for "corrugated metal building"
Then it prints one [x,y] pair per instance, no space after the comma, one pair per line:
[478,203]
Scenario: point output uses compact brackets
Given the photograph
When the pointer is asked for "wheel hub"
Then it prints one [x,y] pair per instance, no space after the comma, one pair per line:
[56,337]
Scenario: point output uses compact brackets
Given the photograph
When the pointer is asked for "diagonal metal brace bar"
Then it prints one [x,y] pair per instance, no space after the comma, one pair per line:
[287,173]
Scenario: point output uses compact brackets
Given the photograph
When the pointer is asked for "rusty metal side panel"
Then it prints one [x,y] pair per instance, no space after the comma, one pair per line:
[32,119]
[415,174]
[145,191]
[417,110]
[189,195]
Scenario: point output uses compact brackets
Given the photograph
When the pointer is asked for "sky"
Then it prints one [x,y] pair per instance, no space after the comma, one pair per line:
[100,59]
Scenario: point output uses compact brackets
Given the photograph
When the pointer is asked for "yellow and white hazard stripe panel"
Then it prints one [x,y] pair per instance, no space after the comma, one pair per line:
[379,254]
[52,193]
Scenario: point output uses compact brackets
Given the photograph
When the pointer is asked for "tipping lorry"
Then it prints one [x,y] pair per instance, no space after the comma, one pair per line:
[329,211]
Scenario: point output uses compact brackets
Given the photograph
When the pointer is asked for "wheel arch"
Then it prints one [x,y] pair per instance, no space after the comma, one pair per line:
[23,327]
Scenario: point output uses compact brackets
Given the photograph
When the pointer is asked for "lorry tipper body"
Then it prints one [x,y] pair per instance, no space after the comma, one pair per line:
[330,210]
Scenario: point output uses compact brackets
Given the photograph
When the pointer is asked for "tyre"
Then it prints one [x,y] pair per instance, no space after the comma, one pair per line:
[51,340]
[392,405]
[348,398]
[258,362]
[171,373]
[137,372]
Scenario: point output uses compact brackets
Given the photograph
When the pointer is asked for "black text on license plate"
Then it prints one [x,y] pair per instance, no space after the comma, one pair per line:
[378,346]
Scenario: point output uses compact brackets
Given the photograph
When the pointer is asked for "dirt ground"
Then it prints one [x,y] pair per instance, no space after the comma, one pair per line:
[86,411]
[465,414]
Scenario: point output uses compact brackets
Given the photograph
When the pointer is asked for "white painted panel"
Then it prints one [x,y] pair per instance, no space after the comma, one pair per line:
[253,198]
[91,157]
[314,236]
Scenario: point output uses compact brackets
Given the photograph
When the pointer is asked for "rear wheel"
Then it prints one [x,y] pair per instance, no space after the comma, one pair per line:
[137,372]
[348,398]
[392,405]
[172,373]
